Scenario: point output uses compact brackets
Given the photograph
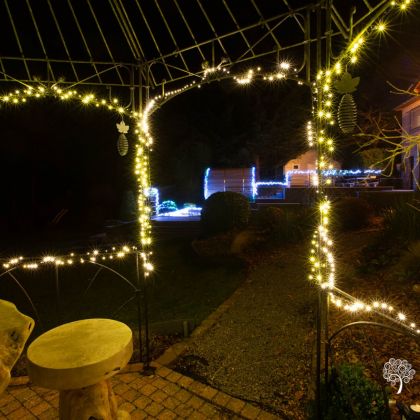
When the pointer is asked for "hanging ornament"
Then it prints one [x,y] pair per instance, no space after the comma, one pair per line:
[347,109]
[122,143]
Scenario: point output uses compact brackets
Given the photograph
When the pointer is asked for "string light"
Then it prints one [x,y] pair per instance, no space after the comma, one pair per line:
[253,183]
[34,263]
[142,165]
[351,304]
[143,147]
[247,79]
[39,91]
[310,133]
[322,259]
[381,27]
[312,173]
[206,183]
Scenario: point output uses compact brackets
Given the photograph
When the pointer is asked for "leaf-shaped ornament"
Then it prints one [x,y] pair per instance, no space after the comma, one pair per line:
[347,84]
[122,127]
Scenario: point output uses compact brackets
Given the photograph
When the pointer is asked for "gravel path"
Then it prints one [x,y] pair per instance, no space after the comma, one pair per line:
[261,348]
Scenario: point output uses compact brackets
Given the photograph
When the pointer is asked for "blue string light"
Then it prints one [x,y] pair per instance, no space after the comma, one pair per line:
[329,172]
[206,183]
[253,183]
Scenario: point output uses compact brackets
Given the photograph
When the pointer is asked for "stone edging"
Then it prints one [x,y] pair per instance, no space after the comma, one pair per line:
[219,399]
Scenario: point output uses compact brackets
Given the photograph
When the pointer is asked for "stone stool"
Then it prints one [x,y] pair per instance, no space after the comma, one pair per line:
[78,359]
[15,329]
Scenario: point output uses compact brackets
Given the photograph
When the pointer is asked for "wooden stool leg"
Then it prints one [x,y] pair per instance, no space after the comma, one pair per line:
[95,402]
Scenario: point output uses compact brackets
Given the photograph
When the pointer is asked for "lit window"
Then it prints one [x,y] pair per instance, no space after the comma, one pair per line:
[415,117]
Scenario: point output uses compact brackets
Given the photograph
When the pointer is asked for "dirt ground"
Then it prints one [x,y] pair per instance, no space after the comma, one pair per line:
[261,349]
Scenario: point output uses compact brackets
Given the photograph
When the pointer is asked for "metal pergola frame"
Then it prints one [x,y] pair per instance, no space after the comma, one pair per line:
[157,45]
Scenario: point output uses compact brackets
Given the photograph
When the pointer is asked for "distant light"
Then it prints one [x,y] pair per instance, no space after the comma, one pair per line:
[185,212]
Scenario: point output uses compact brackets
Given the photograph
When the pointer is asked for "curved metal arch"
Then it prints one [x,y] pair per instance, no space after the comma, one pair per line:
[23,290]
[115,272]
[219,78]
[375,324]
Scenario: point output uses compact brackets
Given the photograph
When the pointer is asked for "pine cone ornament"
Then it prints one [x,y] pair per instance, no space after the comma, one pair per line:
[347,113]
[122,144]
[347,109]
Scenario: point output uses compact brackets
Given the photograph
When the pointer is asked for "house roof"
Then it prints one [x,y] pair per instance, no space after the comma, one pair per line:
[414,98]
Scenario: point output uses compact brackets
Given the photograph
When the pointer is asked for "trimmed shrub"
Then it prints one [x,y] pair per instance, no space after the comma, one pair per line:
[270,218]
[353,396]
[223,212]
[352,213]
[284,225]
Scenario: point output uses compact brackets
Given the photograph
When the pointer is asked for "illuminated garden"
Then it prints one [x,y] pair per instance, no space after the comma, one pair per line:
[212,213]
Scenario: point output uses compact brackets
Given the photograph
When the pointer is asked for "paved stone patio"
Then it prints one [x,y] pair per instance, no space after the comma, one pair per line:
[165,395]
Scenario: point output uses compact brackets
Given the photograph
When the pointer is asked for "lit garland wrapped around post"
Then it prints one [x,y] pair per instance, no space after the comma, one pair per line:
[321,257]
[142,164]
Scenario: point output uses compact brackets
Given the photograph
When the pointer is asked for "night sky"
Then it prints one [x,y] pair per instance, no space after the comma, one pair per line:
[56,156]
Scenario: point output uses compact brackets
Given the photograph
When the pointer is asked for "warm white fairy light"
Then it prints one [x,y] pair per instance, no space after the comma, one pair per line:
[310,134]
[381,27]
[144,145]
[34,263]
[321,257]
[247,79]
[38,92]
[30,266]
[142,172]
[379,308]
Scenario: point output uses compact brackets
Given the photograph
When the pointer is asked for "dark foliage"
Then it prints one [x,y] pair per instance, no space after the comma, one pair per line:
[380,254]
[403,221]
[269,218]
[353,396]
[223,212]
[352,213]
[284,225]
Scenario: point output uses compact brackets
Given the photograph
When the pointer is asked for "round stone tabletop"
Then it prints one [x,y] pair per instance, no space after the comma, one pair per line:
[79,353]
